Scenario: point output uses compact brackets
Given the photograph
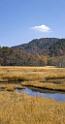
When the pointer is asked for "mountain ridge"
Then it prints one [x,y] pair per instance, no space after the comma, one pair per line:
[41,46]
[38,52]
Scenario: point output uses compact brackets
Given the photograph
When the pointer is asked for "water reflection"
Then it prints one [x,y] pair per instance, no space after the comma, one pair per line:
[59,96]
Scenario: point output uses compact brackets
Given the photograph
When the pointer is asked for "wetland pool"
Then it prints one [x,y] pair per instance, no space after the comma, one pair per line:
[59,96]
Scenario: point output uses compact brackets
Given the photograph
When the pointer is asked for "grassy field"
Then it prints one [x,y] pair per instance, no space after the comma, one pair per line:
[20,108]
[23,109]
[41,77]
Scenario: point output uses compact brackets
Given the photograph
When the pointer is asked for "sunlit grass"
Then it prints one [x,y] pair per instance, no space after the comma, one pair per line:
[31,73]
[19,108]
[24,109]
[49,77]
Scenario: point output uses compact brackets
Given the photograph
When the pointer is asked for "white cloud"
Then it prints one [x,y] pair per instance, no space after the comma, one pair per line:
[41,28]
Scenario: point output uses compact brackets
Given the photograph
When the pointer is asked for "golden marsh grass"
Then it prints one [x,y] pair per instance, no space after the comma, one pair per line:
[24,109]
[19,108]
[49,77]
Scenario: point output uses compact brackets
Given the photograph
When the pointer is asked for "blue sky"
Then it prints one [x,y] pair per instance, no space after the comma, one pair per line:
[24,20]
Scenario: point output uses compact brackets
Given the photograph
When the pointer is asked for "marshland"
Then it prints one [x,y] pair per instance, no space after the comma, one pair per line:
[25,95]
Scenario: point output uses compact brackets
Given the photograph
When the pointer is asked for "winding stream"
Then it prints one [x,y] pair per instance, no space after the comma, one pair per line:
[59,96]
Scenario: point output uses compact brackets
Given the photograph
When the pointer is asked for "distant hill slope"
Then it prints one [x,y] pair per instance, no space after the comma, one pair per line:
[57,48]
[38,46]
[38,52]
[19,57]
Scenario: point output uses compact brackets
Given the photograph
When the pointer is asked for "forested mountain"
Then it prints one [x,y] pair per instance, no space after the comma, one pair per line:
[38,52]
[38,46]
[58,48]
